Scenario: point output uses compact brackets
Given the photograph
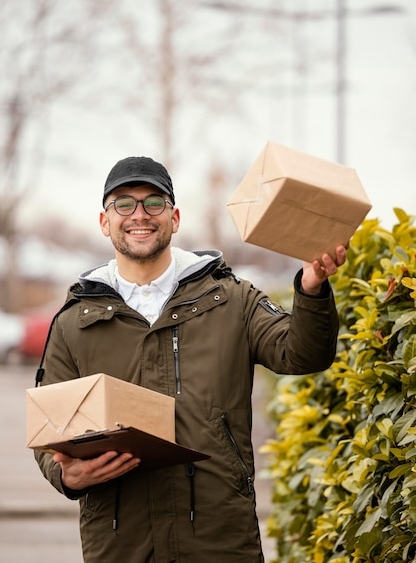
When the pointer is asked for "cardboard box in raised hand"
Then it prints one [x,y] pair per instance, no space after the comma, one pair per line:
[297,204]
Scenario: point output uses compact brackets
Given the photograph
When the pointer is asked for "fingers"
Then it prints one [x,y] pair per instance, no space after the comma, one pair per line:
[61,458]
[79,474]
[110,465]
[329,265]
[341,255]
[316,272]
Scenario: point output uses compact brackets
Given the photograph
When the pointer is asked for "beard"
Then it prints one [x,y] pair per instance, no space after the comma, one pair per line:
[141,252]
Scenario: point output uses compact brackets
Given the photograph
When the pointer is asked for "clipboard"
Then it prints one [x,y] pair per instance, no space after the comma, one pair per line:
[153,451]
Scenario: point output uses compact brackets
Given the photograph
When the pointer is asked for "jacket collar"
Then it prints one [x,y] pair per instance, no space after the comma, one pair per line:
[188,265]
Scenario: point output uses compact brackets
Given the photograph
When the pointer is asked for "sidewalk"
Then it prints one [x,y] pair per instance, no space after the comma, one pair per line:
[37,524]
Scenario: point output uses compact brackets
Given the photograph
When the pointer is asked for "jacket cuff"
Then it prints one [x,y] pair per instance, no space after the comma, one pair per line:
[325,288]
[74,494]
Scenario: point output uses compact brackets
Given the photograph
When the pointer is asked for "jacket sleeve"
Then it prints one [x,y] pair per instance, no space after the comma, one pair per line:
[303,341]
[52,472]
[59,366]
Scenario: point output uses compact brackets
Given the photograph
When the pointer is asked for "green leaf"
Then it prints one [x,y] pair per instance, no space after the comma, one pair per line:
[401,426]
[404,320]
[369,523]
[390,404]
[400,470]
[363,498]
[385,499]
[409,350]
[401,215]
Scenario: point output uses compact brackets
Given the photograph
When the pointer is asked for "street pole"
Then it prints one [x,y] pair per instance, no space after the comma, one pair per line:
[341,82]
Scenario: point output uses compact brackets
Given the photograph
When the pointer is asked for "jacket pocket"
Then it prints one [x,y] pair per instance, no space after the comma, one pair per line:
[87,505]
[100,499]
[247,480]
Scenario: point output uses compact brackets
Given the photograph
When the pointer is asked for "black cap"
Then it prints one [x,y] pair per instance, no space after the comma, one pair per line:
[136,170]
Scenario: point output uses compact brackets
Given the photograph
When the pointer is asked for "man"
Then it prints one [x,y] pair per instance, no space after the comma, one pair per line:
[180,323]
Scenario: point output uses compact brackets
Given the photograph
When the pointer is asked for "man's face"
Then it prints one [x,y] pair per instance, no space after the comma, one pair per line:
[139,237]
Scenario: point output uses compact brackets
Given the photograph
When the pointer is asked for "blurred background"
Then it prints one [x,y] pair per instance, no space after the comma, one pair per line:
[200,85]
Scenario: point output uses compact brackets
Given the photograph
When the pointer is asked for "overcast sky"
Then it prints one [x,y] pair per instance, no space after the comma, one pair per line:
[297,110]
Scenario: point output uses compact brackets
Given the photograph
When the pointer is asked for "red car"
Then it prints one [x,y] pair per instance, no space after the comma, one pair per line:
[23,336]
[36,327]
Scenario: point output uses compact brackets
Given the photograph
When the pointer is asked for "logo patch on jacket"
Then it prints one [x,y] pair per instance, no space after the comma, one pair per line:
[272,308]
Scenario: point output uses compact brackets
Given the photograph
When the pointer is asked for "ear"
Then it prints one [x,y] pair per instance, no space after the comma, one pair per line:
[176,219]
[104,224]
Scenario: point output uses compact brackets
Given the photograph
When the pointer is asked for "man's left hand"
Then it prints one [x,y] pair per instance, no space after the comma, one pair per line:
[316,272]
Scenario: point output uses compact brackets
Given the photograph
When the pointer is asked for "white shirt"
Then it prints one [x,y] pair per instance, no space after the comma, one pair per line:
[148,300]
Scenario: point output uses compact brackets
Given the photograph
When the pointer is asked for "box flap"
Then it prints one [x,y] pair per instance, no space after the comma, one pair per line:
[47,415]
[251,188]
[308,177]
[284,162]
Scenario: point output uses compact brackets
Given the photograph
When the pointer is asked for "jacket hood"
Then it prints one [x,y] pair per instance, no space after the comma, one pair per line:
[187,265]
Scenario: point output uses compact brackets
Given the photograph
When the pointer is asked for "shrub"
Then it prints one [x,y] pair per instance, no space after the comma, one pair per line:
[343,462]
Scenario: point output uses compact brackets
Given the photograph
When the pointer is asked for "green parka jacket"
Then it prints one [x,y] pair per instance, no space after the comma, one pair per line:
[202,350]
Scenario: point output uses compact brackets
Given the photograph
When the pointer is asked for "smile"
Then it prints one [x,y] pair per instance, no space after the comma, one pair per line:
[140,231]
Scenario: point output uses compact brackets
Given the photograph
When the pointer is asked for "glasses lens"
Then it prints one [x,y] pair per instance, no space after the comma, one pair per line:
[125,205]
[154,205]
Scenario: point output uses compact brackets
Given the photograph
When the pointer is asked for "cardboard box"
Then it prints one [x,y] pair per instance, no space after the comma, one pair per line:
[87,416]
[297,204]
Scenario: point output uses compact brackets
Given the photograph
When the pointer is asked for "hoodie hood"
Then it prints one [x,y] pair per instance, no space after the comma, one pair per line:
[187,265]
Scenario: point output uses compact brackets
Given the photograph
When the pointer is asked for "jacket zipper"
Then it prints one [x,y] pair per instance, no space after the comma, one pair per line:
[236,449]
[175,339]
[175,347]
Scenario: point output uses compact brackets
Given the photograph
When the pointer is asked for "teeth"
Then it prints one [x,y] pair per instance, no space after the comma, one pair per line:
[140,232]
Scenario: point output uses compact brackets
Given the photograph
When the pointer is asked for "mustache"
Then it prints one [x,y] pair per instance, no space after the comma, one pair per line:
[140,225]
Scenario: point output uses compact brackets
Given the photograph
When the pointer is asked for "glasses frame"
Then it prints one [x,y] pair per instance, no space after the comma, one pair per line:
[137,201]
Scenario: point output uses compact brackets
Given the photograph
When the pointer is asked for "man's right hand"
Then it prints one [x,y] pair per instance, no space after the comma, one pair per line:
[78,474]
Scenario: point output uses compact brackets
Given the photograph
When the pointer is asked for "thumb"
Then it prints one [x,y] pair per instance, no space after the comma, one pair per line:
[61,458]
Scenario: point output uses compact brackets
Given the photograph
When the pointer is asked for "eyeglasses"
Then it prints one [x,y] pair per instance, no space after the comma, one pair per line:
[127,204]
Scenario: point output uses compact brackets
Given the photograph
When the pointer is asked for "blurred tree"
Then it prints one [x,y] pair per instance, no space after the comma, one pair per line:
[162,60]
[197,63]
[187,58]
[45,48]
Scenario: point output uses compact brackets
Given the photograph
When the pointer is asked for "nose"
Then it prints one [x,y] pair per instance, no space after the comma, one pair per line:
[139,211]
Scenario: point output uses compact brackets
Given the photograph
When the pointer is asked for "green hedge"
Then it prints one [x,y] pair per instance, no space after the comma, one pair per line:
[343,461]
